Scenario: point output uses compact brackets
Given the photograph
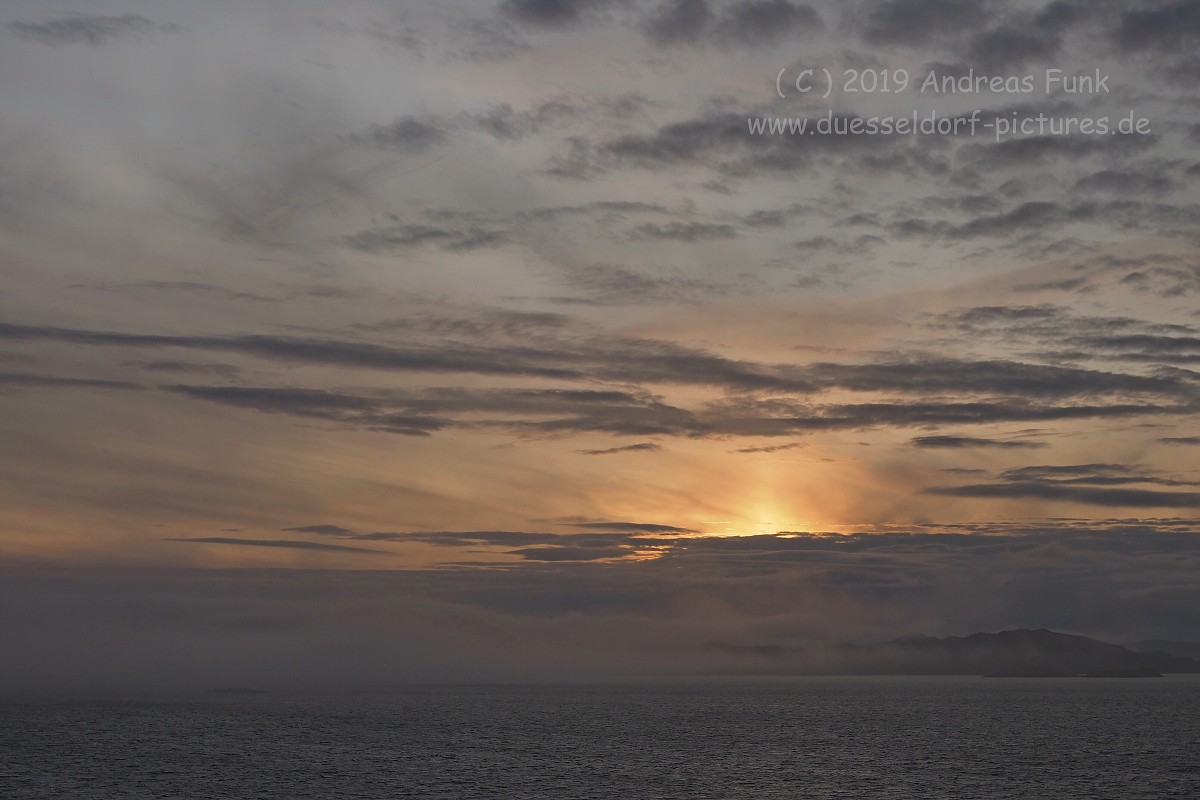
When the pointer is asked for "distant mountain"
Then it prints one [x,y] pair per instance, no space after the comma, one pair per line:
[1015,652]
[1181,649]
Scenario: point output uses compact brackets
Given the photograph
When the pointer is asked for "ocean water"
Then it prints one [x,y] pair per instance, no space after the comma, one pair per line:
[895,738]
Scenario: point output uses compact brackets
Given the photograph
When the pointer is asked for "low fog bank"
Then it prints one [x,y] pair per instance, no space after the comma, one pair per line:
[158,629]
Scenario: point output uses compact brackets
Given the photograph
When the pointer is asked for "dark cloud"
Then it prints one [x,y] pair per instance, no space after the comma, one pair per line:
[600,211]
[766,219]
[186,367]
[1141,347]
[1109,498]
[763,22]
[767,418]
[551,13]
[1090,484]
[918,22]
[766,399]
[407,134]
[1038,216]
[1180,440]
[50,381]
[323,530]
[1064,285]
[90,29]
[1096,474]
[753,23]
[570,553]
[932,375]
[1008,48]
[304,402]
[737,144]
[1062,15]
[640,527]
[971,441]
[1048,322]
[505,123]
[283,543]
[1166,26]
[485,40]
[420,413]
[683,231]
[1165,281]
[402,237]
[986,315]
[465,538]
[771,448]
[681,21]
[623,359]
[1020,153]
[605,284]
[318,404]
[640,447]
[187,287]
[1126,182]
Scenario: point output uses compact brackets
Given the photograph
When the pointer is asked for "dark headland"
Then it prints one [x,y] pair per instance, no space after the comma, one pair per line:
[1010,653]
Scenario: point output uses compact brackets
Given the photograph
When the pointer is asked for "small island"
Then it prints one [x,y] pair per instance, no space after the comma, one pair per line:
[1019,653]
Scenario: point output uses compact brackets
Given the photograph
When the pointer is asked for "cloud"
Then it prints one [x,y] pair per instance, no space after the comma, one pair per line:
[640,447]
[740,144]
[1108,498]
[303,402]
[186,367]
[641,527]
[570,553]
[750,23]
[90,29]
[322,530]
[1180,440]
[550,13]
[1169,26]
[1006,49]
[763,399]
[932,374]
[1019,153]
[319,404]
[50,381]
[1164,281]
[955,442]
[1090,484]
[763,22]
[465,538]
[615,284]
[681,21]
[284,543]
[1140,347]
[683,232]
[402,237]
[919,22]
[504,123]
[624,359]
[771,448]
[1127,181]
[1100,474]
[408,134]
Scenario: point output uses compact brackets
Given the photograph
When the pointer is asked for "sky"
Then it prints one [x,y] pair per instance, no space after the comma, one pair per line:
[383,341]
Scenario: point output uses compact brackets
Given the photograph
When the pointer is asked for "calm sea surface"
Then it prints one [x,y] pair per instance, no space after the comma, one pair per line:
[890,738]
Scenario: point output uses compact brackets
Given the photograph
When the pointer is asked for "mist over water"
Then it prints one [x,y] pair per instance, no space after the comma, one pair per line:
[911,737]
